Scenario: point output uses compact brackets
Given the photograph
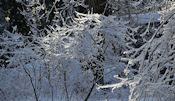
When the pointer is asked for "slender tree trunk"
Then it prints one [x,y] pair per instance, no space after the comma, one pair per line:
[31,81]
[90,91]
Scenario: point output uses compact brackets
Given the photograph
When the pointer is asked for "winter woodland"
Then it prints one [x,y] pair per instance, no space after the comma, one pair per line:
[87,50]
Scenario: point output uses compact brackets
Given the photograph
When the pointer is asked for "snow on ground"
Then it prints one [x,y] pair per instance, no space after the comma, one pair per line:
[120,94]
[144,18]
[91,99]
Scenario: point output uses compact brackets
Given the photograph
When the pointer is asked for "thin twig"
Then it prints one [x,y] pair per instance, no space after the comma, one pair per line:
[65,85]
[163,23]
[31,81]
[86,99]
[5,99]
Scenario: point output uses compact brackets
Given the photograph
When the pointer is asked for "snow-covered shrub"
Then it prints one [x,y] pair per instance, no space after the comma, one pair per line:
[21,63]
[42,13]
[60,42]
[18,50]
[72,46]
[150,70]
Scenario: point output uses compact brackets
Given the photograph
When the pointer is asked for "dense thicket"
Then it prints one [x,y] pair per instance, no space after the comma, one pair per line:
[70,47]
